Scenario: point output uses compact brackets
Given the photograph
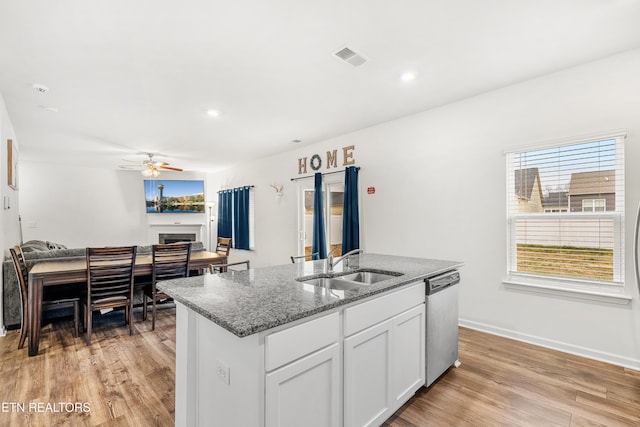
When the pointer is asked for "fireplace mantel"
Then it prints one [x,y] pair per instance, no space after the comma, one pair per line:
[177,227]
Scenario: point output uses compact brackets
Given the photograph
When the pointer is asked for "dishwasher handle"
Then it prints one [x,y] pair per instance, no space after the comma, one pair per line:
[438,283]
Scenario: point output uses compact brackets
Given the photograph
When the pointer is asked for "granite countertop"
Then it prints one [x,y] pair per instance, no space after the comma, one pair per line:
[251,301]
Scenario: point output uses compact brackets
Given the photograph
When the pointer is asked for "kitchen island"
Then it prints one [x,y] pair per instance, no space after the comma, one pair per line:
[273,346]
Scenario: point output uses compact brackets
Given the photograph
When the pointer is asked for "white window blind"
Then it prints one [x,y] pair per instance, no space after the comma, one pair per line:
[565,207]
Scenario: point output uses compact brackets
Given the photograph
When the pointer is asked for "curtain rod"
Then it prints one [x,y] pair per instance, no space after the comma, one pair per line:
[225,189]
[326,173]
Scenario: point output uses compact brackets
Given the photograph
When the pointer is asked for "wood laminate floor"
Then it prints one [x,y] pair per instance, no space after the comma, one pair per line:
[129,381]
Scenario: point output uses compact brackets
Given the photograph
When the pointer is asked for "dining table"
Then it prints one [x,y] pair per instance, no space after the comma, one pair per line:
[58,272]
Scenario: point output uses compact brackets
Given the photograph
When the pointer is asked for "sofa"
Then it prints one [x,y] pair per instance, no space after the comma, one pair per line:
[36,251]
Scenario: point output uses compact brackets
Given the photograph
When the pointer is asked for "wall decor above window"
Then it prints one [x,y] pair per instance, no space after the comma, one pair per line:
[315,162]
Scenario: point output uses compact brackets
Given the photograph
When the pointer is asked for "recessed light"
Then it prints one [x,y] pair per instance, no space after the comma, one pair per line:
[213,113]
[408,76]
[296,141]
[40,88]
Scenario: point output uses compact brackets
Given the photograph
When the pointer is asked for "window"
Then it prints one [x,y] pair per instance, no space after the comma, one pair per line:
[594,205]
[236,218]
[565,205]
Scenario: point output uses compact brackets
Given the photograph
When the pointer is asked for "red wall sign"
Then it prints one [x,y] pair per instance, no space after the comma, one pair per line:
[371,190]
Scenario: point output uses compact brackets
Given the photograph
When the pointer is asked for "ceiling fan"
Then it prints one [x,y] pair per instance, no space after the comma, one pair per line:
[150,168]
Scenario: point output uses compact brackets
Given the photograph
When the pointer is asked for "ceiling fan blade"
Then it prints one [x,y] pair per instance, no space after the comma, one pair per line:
[132,161]
[131,167]
[165,167]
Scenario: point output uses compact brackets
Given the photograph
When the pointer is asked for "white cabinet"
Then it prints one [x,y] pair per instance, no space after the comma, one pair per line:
[408,354]
[384,364]
[352,366]
[297,341]
[305,392]
[367,376]
[303,383]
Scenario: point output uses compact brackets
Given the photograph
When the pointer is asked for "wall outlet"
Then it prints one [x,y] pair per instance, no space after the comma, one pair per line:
[224,373]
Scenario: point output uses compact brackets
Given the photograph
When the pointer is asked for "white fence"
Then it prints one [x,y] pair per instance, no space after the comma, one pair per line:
[590,232]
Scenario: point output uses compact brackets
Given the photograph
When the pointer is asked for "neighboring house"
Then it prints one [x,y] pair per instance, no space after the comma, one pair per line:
[557,201]
[528,190]
[593,191]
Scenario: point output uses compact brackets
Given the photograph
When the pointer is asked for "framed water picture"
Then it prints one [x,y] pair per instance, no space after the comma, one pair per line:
[173,196]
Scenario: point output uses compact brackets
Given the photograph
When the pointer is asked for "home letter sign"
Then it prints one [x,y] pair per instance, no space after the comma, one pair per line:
[302,165]
[332,160]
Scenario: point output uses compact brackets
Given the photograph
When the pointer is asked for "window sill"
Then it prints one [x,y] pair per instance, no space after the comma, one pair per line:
[612,296]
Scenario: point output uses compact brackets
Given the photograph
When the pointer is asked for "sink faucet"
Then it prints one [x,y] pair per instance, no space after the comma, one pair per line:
[331,263]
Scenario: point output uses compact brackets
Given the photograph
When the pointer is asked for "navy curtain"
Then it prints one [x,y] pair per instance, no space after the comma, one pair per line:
[225,198]
[350,221]
[241,217]
[319,242]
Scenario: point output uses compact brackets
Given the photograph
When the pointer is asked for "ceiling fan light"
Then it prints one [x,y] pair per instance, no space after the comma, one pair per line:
[146,173]
[155,172]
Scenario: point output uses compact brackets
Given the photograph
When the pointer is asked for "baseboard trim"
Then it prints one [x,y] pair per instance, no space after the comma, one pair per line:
[3,331]
[625,362]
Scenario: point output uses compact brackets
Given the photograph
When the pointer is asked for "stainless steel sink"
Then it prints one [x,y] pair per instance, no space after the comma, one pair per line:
[368,277]
[336,283]
[350,281]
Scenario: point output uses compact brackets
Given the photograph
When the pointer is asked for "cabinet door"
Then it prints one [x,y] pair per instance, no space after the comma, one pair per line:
[408,354]
[367,376]
[305,392]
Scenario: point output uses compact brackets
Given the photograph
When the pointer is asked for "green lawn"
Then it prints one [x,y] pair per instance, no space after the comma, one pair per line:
[568,261]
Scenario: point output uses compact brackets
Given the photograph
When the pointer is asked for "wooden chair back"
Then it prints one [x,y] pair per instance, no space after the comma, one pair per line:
[109,282]
[170,261]
[62,300]
[110,272]
[223,246]
[221,268]
[21,272]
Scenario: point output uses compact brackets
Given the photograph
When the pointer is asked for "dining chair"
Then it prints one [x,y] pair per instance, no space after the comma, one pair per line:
[221,268]
[223,246]
[295,259]
[169,261]
[109,283]
[54,300]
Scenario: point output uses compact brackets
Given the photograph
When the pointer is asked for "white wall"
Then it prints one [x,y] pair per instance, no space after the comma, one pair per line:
[79,206]
[440,193]
[275,217]
[10,233]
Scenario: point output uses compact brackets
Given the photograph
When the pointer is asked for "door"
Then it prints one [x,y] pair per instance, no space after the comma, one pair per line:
[305,392]
[333,186]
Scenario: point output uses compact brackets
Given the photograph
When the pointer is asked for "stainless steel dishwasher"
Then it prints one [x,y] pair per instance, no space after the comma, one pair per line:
[441,324]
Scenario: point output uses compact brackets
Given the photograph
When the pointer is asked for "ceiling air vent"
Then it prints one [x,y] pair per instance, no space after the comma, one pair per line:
[350,56]
[40,88]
